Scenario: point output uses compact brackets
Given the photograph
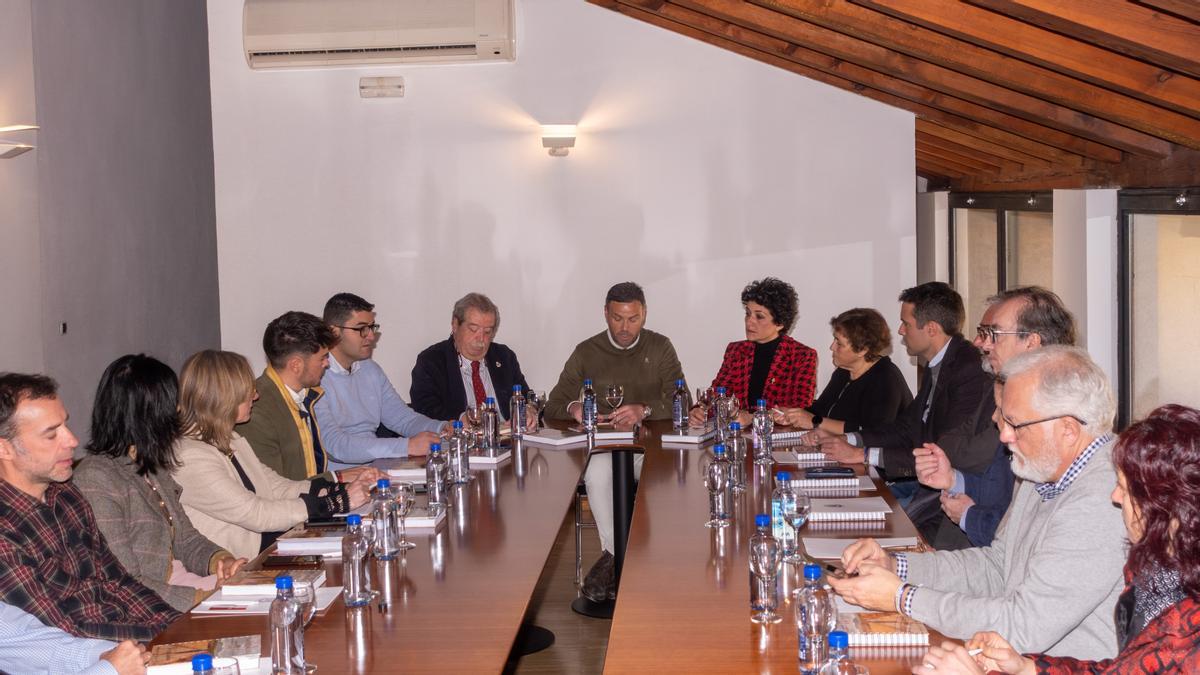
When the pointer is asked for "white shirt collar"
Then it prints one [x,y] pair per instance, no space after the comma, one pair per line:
[613,342]
[297,396]
[336,366]
[940,355]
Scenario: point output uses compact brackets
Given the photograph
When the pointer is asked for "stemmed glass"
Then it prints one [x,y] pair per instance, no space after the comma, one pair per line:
[704,398]
[796,513]
[717,480]
[405,495]
[538,399]
[614,395]
[306,597]
[766,555]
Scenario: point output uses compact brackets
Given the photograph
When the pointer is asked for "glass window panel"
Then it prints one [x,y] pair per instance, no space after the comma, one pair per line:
[1165,311]
[1030,244]
[975,266]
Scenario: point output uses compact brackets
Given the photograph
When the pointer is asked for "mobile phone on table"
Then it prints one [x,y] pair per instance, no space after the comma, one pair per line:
[829,472]
[291,561]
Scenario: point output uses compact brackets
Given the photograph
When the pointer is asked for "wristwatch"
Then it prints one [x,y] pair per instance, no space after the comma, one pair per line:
[816,421]
[645,411]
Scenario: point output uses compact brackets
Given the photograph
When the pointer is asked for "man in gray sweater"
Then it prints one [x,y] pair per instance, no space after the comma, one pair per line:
[1052,575]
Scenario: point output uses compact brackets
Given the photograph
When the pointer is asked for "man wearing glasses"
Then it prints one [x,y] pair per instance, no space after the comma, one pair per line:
[359,398]
[1052,575]
[1016,321]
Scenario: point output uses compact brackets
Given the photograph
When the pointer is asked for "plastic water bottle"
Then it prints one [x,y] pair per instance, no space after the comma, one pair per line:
[816,615]
[721,403]
[386,520]
[735,449]
[355,547]
[589,406]
[287,630]
[765,559]
[718,479]
[436,477]
[838,662]
[763,427]
[783,502]
[516,412]
[202,664]
[459,447]
[681,405]
[491,427]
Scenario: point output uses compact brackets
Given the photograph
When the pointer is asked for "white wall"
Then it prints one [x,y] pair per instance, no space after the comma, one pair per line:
[20,252]
[695,171]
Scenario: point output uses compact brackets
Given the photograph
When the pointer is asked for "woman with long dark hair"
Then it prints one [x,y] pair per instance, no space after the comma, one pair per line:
[1158,616]
[126,478]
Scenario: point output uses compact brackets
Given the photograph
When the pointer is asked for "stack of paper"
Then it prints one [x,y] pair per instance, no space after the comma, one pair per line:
[805,457]
[222,603]
[176,657]
[691,435]
[851,483]
[824,548]
[882,629]
[325,541]
[575,436]
[262,582]
[862,508]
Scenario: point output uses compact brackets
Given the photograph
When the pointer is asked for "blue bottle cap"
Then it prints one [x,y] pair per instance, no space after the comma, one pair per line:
[383,483]
[489,401]
[721,391]
[435,447]
[838,639]
[516,388]
[354,519]
[678,383]
[812,571]
[718,449]
[762,403]
[456,424]
[735,426]
[762,520]
[783,476]
[201,663]
[283,581]
[587,381]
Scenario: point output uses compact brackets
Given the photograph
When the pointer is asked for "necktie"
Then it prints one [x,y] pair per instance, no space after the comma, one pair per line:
[477,384]
[925,393]
[307,415]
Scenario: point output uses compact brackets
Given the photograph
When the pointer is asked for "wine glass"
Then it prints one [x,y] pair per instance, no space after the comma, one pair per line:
[765,558]
[795,512]
[225,665]
[405,496]
[717,480]
[613,396]
[306,597]
[474,415]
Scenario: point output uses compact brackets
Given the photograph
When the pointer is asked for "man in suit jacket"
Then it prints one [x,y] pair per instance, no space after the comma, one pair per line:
[462,370]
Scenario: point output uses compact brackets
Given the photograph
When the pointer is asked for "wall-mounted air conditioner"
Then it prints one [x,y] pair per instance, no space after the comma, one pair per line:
[311,33]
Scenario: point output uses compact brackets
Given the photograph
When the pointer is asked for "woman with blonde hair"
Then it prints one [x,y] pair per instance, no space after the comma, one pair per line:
[229,494]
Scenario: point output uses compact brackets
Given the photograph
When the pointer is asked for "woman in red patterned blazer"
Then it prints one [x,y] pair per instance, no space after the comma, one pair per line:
[768,364]
[1158,615]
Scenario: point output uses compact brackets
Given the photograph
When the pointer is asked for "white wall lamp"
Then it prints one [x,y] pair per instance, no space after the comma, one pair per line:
[559,138]
[10,149]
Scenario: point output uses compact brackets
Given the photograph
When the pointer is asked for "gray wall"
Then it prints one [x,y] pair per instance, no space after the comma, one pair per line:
[125,186]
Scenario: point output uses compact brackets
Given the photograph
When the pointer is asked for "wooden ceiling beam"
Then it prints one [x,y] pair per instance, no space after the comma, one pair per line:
[1180,170]
[983,155]
[1187,9]
[1000,150]
[949,167]
[966,159]
[1119,25]
[1049,49]
[996,80]
[1031,137]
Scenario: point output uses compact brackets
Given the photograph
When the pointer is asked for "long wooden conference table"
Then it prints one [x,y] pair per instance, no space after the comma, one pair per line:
[456,602]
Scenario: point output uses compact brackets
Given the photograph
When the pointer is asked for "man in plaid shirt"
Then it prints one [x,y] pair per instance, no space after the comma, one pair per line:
[54,563]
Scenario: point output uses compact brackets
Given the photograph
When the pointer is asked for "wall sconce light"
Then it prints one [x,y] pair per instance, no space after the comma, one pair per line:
[1181,199]
[10,149]
[559,138]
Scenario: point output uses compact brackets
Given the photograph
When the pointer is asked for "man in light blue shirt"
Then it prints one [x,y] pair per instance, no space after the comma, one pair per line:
[29,646]
[359,398]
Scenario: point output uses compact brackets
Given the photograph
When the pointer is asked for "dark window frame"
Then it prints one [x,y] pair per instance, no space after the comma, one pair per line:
[1129,204]
[1001,203]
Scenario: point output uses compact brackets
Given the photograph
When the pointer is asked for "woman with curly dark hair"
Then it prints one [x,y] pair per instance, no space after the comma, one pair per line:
[867,389]
[1158,616]
[768,364]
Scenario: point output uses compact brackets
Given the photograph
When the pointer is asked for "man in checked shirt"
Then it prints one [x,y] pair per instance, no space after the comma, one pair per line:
[54,563]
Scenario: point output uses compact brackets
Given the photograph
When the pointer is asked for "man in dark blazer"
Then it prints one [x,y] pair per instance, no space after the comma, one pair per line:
[467,367]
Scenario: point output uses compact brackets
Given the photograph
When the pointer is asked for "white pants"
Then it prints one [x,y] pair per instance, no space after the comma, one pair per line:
[599,481]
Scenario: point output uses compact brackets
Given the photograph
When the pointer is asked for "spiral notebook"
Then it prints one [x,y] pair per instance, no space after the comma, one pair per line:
[861,508]
[882,629]
[691,435]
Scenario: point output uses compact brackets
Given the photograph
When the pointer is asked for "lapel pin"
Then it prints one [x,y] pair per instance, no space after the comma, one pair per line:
[497,364]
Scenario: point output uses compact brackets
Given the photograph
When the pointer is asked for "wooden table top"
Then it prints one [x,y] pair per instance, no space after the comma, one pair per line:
[684,601]
[455,602]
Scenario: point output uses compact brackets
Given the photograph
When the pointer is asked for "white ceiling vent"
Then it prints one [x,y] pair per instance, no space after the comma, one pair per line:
[311,33]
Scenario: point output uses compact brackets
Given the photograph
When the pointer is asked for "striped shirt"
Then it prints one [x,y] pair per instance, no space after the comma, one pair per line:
[1049,491]
[28,647]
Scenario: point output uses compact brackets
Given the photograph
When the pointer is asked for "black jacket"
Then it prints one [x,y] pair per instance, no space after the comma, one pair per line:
[437,387]
[957,396]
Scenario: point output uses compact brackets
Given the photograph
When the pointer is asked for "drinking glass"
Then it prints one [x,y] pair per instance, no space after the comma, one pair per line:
[225,665]
[765,559]
[716,479]
[474,415]
[796,513]
[305,596]
[405,496]
[614,395]
[704,397]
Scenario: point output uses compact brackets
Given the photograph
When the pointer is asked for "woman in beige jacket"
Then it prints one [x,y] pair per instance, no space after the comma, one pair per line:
[230,496]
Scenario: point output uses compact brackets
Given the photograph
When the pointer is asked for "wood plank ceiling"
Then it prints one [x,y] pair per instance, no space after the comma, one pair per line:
[1008,94]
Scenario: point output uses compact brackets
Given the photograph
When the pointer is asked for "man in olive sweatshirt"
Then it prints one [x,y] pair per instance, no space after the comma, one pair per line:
[645,365]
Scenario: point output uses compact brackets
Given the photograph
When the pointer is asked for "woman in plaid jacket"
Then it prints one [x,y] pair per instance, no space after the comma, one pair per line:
[1158,615]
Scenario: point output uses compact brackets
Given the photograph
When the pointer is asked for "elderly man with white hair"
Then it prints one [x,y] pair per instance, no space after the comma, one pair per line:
[1052,574]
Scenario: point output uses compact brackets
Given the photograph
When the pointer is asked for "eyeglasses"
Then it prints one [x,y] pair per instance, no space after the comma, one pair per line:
[363,331]
[989,333]
[1005,422]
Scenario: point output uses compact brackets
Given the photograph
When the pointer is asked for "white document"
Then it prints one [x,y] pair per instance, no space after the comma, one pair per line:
[218,604]
[824,548]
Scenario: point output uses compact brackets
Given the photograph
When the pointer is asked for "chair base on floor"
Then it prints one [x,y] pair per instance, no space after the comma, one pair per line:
[595,610]
[532,639]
